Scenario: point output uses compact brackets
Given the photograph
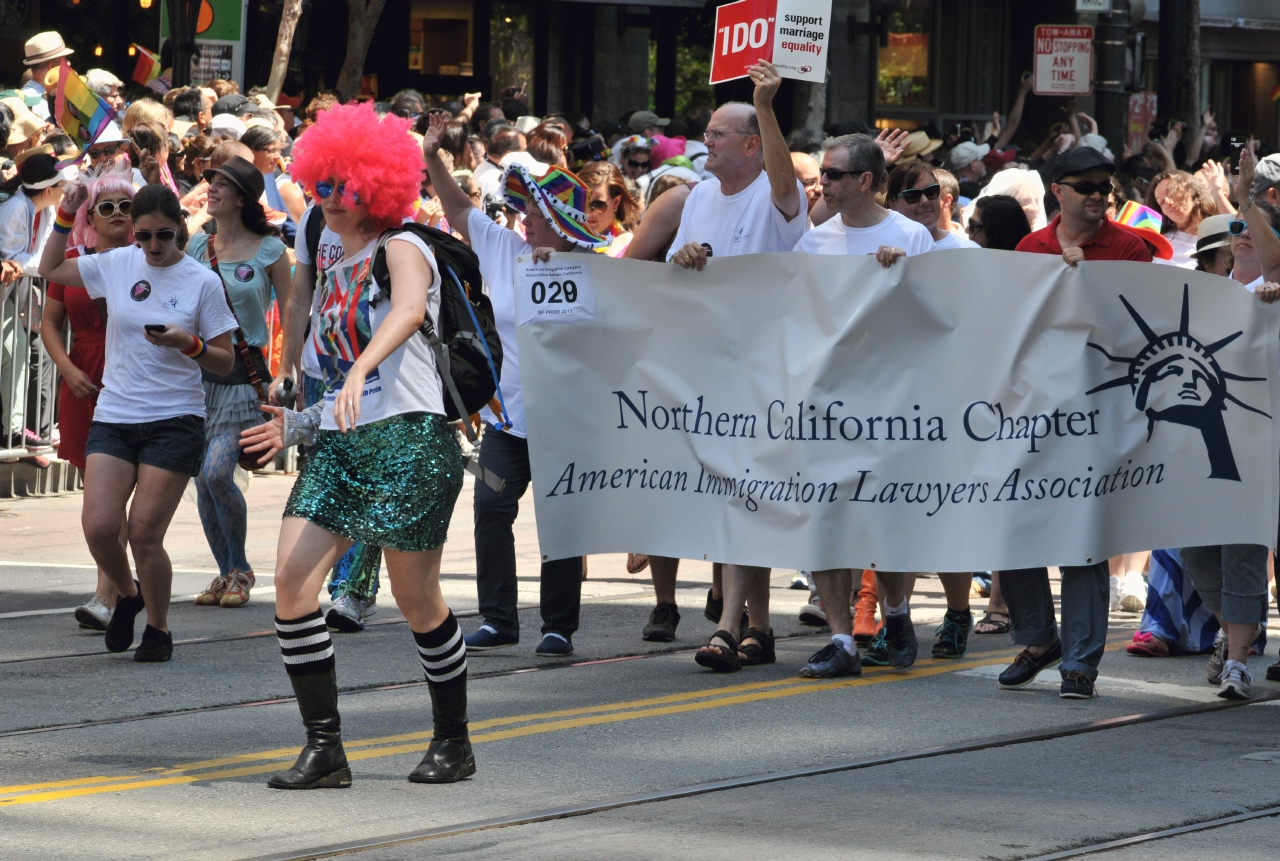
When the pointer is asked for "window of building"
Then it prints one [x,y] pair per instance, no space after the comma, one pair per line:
[511,46]
[440,37]
[903,58]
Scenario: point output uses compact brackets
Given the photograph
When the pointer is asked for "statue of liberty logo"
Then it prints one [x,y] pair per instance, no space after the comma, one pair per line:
[1176,378]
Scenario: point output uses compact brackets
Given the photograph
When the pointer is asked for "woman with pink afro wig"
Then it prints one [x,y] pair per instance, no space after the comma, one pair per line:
[374,158]
[102,223]
[385,469]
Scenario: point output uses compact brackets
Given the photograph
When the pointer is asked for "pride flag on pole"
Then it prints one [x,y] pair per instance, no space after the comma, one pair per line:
[148,68]
[79,110]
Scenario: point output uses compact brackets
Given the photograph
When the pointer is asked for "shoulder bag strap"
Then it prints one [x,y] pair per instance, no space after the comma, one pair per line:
[242,345]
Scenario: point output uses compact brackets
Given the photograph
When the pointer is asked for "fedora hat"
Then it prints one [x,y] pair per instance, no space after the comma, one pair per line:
[25,122]
[43,47]
[243,175]
[919,144]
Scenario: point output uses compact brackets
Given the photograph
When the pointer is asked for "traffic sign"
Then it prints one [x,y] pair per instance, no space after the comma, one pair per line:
[744,34]
[1064,61]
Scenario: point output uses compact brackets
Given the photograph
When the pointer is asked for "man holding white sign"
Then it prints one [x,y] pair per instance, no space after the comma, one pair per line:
[555,220]
[754,204]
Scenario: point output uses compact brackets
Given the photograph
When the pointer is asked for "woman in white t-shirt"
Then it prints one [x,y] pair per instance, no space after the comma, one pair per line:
[166,321]
[914,191]
[1183,201]
[386,467]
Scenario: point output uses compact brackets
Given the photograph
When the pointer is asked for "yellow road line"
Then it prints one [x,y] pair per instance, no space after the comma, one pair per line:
[60,783]
[784,688]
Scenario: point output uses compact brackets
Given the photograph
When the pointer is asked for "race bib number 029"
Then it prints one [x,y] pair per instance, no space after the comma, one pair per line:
[553,292]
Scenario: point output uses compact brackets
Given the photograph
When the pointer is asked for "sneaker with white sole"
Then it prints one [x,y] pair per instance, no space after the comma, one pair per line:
[1218,659]
[812,613]
[832,661]
[212,593]
[94,614]
[349,612]
[1115,595]
[237,592]
[798,581]
[1237,681]
[1133,593]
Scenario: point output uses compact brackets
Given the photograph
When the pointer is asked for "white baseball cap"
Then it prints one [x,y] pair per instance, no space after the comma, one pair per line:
[966,153]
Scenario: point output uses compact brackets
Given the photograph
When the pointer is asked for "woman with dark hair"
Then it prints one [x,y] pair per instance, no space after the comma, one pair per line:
[167,320]
[251,260]
[102,223]
[998,221]
[283,194]
[611,211]
[914,191]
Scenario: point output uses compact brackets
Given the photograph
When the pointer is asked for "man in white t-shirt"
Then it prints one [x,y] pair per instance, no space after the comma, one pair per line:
[853,171]
[560,226]
[753,204]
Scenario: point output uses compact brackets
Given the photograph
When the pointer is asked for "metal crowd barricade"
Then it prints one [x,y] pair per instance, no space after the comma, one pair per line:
[28,398]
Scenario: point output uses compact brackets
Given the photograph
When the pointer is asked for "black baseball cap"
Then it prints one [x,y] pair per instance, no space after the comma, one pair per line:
[1080,160]
[232,103]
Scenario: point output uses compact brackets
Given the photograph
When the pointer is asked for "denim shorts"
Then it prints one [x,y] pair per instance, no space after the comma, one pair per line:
[175,444]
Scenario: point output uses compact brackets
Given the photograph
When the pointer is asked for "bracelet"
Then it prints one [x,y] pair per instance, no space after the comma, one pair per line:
[197,349]
[1247,204]
[64,221]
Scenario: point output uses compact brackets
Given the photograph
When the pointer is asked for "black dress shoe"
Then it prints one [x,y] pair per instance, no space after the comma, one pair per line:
[1027,666]
[662,624]
[447,761]
[1273,672]
[120,629]
[714,608]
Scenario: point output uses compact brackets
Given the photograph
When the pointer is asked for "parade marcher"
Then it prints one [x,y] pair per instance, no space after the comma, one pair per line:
[560,226]
[282,193]
[611,211]
[853,171]
[998,221]
[914,191]
[43,57]
[808,171]
[753,204]
[386,468]
[101,224]
[167,319]
[251,261]
[1183,201]
[1081,231]
[1213,246]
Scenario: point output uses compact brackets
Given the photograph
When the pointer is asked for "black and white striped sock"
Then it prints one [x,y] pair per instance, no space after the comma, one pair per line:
[305,644]
[443,653]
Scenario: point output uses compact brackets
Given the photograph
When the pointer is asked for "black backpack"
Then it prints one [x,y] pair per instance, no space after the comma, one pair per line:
[468,350]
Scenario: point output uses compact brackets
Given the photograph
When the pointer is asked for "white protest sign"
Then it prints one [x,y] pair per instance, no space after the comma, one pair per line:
[1064,61]
[558,291]
[800,39]
[813,412]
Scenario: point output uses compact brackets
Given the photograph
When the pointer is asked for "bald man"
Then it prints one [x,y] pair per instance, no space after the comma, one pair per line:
[807,171]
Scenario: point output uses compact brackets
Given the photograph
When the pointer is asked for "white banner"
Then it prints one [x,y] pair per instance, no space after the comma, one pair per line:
[964,410]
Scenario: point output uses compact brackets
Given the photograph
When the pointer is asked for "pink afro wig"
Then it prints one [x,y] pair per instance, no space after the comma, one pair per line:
[113,179]
[376,158]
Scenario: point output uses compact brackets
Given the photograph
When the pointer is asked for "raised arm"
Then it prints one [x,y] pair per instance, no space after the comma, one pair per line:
[1015,112]
[457,206]
[1266,244]
[54,265]
[777,160]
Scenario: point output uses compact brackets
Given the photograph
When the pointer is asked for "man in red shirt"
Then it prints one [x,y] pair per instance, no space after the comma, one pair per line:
[1082,184]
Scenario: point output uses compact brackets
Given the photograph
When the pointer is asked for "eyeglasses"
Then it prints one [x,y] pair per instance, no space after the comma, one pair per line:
[1239,228]
[108,150]
[325,189]
[974,226]
[108,208]
[913,195]
[1089,188]
[598,205]
[637,165]
[162,235]
[832,175]
[714,135]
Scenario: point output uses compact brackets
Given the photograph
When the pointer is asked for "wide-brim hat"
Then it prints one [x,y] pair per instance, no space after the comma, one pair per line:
[1154,238]
[919,144]
[243,175]
[25,122]
[43,47]
[560,196]
[1214,232]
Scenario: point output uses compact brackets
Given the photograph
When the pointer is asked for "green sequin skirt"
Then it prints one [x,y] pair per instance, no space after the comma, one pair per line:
[391,483]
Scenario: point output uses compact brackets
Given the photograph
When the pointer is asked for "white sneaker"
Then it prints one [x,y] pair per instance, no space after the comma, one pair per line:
[798,581]
[348,613]
[1115,594]
[1133,592]
[1237,681]
[812,613]
[94,614]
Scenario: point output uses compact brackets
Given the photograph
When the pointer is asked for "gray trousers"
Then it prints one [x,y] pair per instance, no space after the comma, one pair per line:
[1086,601]
[1231,580]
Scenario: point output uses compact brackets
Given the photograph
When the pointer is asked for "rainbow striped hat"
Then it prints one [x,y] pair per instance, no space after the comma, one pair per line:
[1134,214]
[560,196]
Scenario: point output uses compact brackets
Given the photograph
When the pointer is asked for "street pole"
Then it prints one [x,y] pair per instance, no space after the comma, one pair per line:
[1171,60]
[1110,88]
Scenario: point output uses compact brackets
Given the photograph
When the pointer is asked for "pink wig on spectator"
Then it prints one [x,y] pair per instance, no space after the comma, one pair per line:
[664,148]
[113,179]
[375,158]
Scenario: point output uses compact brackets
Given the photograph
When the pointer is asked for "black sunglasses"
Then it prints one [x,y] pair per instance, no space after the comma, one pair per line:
[974,226]
[1081,186]
[108,208]
[833,175]
[162,235]
[913,195]
[109,150]
[636,165]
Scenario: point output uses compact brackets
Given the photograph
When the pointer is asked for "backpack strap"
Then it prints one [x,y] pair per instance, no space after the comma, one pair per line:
[470,463]
[315,226]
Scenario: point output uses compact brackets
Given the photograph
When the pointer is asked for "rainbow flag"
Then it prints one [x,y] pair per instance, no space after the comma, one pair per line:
[80,111]
[148,68]
[1136,215]
[1275,93]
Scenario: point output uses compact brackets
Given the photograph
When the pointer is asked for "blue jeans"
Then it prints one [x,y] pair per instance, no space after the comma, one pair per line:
[1086,602]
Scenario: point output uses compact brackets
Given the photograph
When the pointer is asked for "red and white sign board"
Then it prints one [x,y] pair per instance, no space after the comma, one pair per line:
[791,34]
[1064,61]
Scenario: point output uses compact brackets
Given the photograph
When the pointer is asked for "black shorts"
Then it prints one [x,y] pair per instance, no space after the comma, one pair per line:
[175,444]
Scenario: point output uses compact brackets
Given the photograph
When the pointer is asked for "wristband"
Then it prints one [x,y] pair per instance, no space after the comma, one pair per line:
[64,221]
[196,349]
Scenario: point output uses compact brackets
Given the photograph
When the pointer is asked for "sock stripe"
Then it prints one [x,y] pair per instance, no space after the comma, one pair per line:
[443,653]
[442,650]
[305,645]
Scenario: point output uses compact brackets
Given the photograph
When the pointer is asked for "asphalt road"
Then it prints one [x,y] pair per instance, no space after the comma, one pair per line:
[174,765]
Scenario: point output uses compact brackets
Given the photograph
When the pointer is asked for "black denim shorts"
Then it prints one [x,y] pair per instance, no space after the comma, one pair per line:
[175,444]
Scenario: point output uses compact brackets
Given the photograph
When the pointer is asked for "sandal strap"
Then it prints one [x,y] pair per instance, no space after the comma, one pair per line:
[726,637]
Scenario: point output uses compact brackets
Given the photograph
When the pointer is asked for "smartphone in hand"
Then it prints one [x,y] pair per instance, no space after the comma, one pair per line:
[155,328]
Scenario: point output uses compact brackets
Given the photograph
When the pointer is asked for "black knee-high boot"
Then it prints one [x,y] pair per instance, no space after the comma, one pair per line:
[444,660]
[308,658]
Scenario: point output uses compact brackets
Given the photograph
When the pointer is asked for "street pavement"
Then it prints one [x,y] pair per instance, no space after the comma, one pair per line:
[176,765]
